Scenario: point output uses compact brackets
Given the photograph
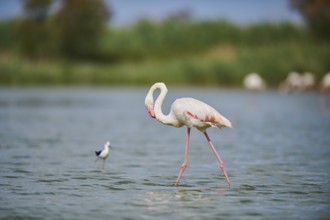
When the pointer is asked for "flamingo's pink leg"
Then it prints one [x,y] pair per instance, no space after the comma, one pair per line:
[221,164]
[185,161]
[322,102]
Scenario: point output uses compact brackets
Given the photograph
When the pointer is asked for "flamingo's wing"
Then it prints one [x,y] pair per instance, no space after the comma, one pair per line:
[195,113]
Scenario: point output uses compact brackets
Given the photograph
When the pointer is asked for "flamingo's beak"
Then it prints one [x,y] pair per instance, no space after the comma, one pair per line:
[151,111]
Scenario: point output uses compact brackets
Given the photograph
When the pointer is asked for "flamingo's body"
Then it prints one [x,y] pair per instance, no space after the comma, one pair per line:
[324,88]
[325,83]
[254,82]
[189,112]
[308,81]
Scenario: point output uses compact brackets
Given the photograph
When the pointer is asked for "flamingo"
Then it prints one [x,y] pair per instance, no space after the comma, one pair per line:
[308,81]
[324,88]
[187,112]
[293,82]
[254,82]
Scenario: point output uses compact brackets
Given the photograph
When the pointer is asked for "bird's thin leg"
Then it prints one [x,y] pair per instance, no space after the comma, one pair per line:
[221,164]
[103,165]
[185,161]
[95,162]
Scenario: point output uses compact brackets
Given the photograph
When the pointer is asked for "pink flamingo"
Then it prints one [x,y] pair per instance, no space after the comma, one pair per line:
[191,113]
[324,88]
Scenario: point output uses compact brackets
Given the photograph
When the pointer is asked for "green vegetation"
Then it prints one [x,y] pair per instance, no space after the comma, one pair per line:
[181,52]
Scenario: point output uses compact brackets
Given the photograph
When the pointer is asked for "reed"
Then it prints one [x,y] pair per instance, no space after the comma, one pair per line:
[206,53]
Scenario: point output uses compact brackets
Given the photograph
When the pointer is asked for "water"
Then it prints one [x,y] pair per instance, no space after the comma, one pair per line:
[277,157]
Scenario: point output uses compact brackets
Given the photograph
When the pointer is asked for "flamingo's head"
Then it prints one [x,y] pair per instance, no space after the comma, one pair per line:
[151,112]
[149,103]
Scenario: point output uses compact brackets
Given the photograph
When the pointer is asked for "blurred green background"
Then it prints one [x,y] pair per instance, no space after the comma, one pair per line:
[74,42]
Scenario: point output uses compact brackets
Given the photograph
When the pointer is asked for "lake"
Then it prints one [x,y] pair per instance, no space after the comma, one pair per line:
[277,156]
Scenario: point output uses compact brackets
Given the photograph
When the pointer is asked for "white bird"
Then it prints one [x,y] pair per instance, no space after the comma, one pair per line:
[253,82]
[103,154]
[324,89]
[325,82]
[292,83]
[191,113]
[308,81]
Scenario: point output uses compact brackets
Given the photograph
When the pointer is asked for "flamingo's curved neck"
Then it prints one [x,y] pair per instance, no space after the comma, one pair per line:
[165,119]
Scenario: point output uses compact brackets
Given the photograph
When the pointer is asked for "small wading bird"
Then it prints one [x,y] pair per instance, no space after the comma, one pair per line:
[191,113]
[103,154]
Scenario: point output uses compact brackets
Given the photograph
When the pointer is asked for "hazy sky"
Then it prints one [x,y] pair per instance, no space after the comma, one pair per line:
[239,11]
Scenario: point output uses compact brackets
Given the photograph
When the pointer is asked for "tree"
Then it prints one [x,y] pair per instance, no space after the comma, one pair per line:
[33,31]
[316,14]
[78,25]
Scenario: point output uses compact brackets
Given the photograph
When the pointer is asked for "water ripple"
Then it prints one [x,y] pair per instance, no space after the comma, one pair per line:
[277,158]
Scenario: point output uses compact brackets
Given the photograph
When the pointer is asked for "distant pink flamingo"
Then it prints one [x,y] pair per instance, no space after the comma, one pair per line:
[254,82]
[191,113]
[324,88]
